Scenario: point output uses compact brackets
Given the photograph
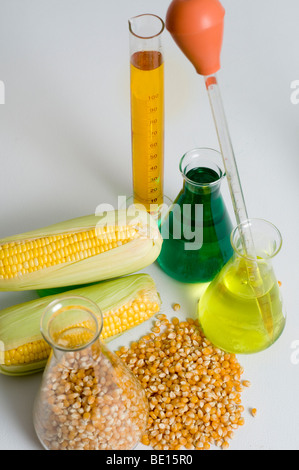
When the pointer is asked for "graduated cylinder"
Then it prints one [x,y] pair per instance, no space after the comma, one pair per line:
[147,109]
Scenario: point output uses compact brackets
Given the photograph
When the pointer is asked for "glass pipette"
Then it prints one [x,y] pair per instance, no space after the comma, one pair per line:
[197,28]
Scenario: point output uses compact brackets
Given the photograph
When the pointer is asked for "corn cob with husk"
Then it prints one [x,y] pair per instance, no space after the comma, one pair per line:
[125,302]
[79,251]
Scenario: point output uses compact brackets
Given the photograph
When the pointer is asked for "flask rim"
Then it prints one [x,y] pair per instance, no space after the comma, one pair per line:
[252,224]
[209,155]
[82,303]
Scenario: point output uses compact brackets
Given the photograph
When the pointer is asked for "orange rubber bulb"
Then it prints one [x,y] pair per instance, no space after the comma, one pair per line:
[197,28]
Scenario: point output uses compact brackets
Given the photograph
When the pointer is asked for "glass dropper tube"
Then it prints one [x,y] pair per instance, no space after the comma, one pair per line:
[238,200]
[147,109]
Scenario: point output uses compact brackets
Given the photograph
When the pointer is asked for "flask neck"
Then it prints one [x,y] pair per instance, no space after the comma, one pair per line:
[71,324]
[266,238]
[201,172]
[204,188]
[253,261]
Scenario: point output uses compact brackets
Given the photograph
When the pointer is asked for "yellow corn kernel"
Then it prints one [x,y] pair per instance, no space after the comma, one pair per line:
[27,353]
[57,250]
[79,251]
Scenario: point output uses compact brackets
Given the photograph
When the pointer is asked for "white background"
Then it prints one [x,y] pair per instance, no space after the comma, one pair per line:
[65,148]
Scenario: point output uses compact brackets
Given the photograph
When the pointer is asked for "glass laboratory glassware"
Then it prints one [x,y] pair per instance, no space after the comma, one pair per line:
[197,28]
[147,109]
[196,231]
[88,399]
[230,314]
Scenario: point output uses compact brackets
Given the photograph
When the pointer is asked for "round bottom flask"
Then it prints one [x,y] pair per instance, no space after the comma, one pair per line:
[88,399]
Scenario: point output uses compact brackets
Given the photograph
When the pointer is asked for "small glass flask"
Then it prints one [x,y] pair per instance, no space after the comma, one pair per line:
[196,231]
[88,399]
[241,311]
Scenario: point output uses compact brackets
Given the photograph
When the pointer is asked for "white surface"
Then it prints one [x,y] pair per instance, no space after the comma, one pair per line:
[65,148]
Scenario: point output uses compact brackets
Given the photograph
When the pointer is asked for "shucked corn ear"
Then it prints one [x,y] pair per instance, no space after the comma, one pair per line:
[124,302]
[79,251]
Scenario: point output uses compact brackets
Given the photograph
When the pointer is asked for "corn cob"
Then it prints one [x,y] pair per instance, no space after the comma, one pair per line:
[79,251]
[124,302]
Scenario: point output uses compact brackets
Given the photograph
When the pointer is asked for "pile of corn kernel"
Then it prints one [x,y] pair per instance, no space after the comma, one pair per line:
[193,388]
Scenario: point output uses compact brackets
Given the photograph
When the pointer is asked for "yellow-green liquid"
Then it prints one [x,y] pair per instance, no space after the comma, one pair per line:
[229,312]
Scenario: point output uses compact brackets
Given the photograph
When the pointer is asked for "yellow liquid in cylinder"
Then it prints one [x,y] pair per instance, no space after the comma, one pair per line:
[229,312]
[147,115]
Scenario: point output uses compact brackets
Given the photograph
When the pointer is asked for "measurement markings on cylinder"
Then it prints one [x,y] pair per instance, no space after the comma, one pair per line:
[153,146]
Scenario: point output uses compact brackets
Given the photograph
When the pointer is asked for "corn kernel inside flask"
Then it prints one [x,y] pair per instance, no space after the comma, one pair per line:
[88,399]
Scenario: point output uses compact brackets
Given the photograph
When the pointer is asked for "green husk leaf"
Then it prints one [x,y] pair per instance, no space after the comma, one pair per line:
[20,324]
[120,261]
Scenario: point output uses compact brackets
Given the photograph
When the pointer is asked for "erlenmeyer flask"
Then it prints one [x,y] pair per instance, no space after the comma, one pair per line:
[229,311]
[88,399]
[196,231]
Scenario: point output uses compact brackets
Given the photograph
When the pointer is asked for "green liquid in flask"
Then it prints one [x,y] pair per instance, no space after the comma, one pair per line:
[229,312]
[202,175]
[199,212]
